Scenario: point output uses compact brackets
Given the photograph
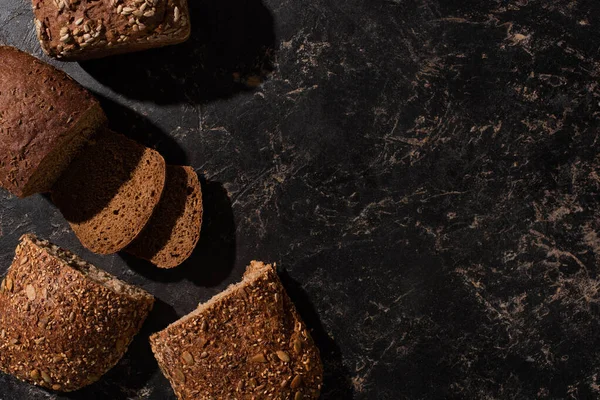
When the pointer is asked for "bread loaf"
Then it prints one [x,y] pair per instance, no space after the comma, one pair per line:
[174,229]
[63,322]
[45,118]
[110,191]
[85,29]
[245,343]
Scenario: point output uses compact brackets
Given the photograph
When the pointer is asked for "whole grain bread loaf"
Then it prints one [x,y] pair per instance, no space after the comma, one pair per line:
[63,322]
[110,191]
[174,229]
[247,342]
[86,29]
[45,118]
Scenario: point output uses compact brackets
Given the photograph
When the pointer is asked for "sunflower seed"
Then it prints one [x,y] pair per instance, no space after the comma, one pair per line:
[258,358]
[188,358]
[46,378]
[179,375]
[30,291]
[79,21]
[296,382]
[283,356]
[297,346]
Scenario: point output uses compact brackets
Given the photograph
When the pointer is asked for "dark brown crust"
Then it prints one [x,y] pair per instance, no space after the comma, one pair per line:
[41,110]
[174,229]
[86,29]
[110,191]
[58,328]
[238,345]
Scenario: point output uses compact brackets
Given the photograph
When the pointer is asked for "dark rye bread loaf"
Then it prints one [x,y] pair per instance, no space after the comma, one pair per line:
[247,342]
[174,229]
[45,118]
[86,29]
[63,322]
[110,191]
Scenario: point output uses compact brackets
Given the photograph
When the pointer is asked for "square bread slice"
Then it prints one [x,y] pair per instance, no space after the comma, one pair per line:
[173,231]
[63,322]
[110,191]
[86,29]
[45,118]
[247,342]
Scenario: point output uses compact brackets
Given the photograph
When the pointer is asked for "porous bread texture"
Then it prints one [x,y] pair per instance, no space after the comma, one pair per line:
[87,29]
[174,229]
[110,191]
[45,119]
[247,342]
[63,322]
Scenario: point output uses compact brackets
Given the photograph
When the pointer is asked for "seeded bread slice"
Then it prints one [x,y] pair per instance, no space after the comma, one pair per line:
[45,118]
[174,229]
[110,191]
[86,29]
[63,322]
[247,342]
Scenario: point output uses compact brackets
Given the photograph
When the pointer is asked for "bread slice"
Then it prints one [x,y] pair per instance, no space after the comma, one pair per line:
[63,322]
[247,342]
[45,118]
[110,191]
[174,229]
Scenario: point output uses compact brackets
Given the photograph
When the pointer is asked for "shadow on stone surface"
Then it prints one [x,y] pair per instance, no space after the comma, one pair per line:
[214,257]
[231,49]
[337,383]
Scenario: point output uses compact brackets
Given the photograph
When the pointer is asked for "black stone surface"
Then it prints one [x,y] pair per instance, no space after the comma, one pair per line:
[425,173]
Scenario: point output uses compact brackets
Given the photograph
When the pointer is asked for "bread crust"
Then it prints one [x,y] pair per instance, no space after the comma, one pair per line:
[246,343]
[42,112]
[87,29]
[58,328]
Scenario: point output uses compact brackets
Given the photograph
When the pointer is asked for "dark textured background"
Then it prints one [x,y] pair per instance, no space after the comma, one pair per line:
[425,172]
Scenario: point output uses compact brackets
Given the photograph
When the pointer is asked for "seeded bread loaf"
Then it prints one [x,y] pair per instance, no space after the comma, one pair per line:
[86,29]
[110,191]
[45,118]
[245,343]
[63,322]
[174,229]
